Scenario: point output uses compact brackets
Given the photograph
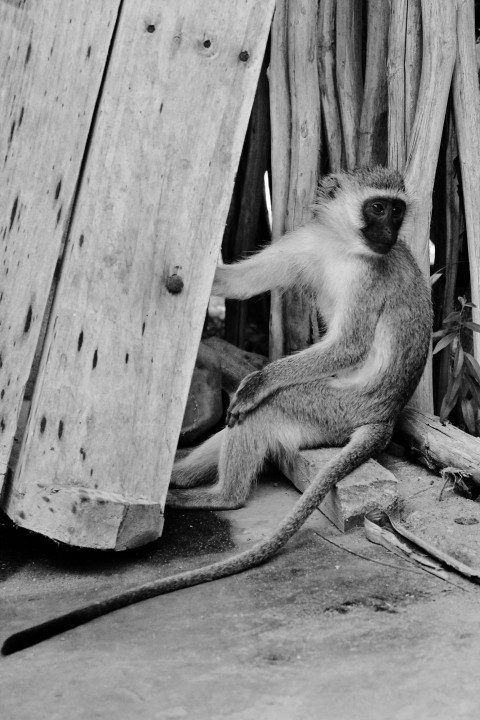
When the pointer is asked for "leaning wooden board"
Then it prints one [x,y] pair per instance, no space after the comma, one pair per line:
[52,55]
[108,403]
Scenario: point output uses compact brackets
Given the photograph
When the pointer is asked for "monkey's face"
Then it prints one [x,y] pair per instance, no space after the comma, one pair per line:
[383,217]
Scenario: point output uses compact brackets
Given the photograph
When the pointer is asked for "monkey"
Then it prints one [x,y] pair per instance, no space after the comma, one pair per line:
[344,391]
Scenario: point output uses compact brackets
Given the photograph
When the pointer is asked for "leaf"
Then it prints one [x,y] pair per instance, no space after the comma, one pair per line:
[444,342]
[450,399]
[439,333]
[462,301]
[455,315]
[435,277]
[473,367]
[470,304]
[468,415]
[474,389]
[458,361]
[472,325]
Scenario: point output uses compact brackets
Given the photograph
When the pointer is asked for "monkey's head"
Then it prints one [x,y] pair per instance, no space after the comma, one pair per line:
[367,204]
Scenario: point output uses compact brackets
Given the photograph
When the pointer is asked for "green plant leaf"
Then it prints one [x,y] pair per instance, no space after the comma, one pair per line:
[475,390]
[473,367]
[468,415]
[472,325]
[455,315]
[450,399]
[458,360]
[435,277]
[444,342]
[439,333]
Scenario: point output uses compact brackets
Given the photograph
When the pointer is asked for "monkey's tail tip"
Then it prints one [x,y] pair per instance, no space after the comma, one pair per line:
[26,638]
[15,643]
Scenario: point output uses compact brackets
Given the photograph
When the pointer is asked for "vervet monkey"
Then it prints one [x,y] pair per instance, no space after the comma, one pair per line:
[345,390]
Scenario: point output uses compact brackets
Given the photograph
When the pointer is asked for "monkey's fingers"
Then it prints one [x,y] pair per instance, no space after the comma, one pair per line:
[234,418]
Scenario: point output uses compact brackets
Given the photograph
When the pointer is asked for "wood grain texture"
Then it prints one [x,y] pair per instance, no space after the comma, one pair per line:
[280,128]
[52,56]
[438,60]
[372,141]
[368,487]
[466,105]
[300,320]
[403,71]
[437,445]
[120,350]
[349,74]
[413,63]
[327,82]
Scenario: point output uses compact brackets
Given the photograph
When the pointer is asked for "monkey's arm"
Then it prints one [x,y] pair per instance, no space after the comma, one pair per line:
[279,265]
[319,362]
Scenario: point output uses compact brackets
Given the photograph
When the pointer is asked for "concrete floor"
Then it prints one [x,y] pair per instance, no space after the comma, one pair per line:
[315,633]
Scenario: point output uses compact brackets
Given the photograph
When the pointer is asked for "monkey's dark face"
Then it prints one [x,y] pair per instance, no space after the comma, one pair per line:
[383,218]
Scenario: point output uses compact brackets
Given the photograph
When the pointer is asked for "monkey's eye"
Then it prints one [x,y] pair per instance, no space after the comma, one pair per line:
[378,208]
[397,210]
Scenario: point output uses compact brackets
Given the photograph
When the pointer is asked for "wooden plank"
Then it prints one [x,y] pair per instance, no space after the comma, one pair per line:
[349,74]
[403,72]
[438,60]
[367,488]
[372,141]
[299,314]
[327,81]
[120,350]
[52,56]
[466,105]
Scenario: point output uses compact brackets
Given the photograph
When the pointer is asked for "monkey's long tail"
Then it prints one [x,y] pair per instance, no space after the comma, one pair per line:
[365,441]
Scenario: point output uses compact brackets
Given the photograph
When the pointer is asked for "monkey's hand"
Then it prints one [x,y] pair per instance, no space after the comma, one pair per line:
[251,392]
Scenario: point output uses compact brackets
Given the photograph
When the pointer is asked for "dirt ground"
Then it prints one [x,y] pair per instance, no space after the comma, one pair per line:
[316,633]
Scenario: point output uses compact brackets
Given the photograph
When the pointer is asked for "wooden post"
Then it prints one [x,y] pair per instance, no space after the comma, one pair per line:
[326,79]
[349,73]
[126,322]
[438,60]
[52,57]
[299,318]
[404,69]
[293,323]
[372,142]
[466,105]
[280,121]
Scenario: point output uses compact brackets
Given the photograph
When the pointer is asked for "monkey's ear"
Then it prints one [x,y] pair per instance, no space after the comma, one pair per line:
[328,186]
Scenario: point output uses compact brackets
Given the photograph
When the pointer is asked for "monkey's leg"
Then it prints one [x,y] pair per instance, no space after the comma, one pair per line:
[242,454]
[244,449]
[200,466]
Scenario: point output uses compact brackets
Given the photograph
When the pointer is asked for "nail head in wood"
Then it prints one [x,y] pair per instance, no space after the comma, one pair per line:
[244,56]
[174,284]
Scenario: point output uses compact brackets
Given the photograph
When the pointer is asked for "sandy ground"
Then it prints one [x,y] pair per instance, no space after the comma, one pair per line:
[315,633]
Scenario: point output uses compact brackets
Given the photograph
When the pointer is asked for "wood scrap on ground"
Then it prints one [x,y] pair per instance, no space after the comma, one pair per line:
[438,445]
[369,487]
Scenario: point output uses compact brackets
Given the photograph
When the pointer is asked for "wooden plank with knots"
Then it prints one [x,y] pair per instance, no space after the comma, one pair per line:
[129,309]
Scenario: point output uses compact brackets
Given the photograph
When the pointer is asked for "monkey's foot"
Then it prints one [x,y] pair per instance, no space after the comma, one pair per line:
[201,500]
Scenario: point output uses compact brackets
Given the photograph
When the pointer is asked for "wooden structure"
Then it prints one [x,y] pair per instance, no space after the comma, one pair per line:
[123,128]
